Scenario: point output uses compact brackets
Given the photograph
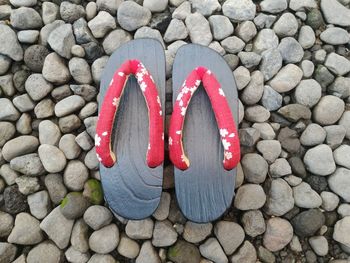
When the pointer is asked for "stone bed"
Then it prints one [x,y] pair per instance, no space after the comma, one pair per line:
[291,63]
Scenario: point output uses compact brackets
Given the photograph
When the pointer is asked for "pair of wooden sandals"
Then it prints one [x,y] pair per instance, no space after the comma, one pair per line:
[203,141]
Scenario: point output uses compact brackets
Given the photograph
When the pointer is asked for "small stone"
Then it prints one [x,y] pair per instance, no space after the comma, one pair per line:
[330,201]
[6,224]
[207,8]
[155,6]
[313,135]
[308,222]
[132,16]
[28,36]
[45,250]
[271,99]
[34,57]
[212,250]
[80,70]
[104,240]
[319,160]
[266,39]
[323,76]
[93,191]
[230,235]
[162,211]
[52,158]
[139,229]
[148,32]
[19,146]
[246,253]
[305,197]
[114,40]
[7,252]
[253,223]
[280,168]
[255,168]
[57,227]
[28,164]
[75,175]
[8,174]
[335,36]
[340,87]
[97,217]
[27,185]
[128,248]
[335,135]
[74,255]
[198,29]
[79,237]
[9,45]
[342,156]
[74,205]
[182,11]
[55,187]
[319,244]
[55,70]
[270,149]
[344,122]
[250,196]
[49,133]
[266,131]
[279,198]
[233,44]
[254,91]
[69,147]
[337,64]
[50,12]
[26,230]
[256,113]
[148,254]
[220,26]
[291,50]
[335,13]
[273,6]
[25,18]
[239,10]
[15,201]
[271,63]
[301,4]
[61,40]
[175,31]
[8,112]
[286,25]
[278,234]
[295,244]
[39,204]
[308,92]
[328,110]
[69,105]
[339,183]
[242,77]
[287,78]
[308,68]
[195,233]
[295,112]
[341,229]
[163,234]
[5,63]
[7,131]
[70,12]
[183,252]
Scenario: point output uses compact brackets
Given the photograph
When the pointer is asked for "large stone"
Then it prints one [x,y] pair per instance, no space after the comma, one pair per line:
[295,112]
[9,44]
[55,69]
[19,146]
[319,160]
[8,111]
[132,16]
[278,234]
[308,92]
[61,40]
[339,183]
[341,230]
[199,29]
[37,87]
[335,36]
[239,10]
[287,78]
[335,13]
[308,222]
[7,252]
[342,156]
[39,204]
[279,198]
[25,18]
[337,63]
[230,235]
[34,57]
[101,24]
[306,197]
[104,240]
[75,175]
[328,110]
[250,196]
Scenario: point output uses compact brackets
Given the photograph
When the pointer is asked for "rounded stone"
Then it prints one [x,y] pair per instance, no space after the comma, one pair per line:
[328,110]
[75,175]
[18,146]
[55,69]
[132,16]
[278,234]
[255,168]
[52,158]
[250,196]
[97,217]
[319,160]
[104,240]
[308,92]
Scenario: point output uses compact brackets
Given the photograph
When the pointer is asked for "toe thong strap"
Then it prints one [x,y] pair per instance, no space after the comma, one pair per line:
[223,115]
[109,108]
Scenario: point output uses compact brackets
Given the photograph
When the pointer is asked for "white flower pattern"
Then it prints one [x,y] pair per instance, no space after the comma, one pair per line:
[221,92]
[98,157]
[223,132]
[105,133]
[97,140]
[170,141]
[228,155]
[226,144]
[116,101]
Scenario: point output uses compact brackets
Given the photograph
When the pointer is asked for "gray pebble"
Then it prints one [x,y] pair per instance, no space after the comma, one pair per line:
[46,250]
[273,6]
[70,12]
[246,31]
[271,99]
[23,103]
[256,113]
[69,105]
[175,31]
[50,12]
[239,10]
[291,50]
[75,175]
[6,224]
[328,110]
[233,44]
[97,217]
[28,164]
[246,253]
[249,196]
[199,29]
[80,70]
[39,204]
[164,234]
[195,233]
[313,135]
[182,11]
[104,240]
[5,63]
[132,16]
[265,39]
[74,205]
[7,131]
[342,156]
[306,37]
[335,36]
[115,39]
[319,160]
[273,238]
[97,68]
[242,77]
[212,250]
[37,87]
[308,68]
[335,13]
[52,158]
[55,187]
[55,69]
[49,133]
[286,25]
[206,8]
[61,40]
[25,18]
[249,59]
[44,109]
[79,237]
[28,36]
[19,3]
[337,64]
[34,57]
[338,182]
[279,198]
[139,229]
[221,26]
[254,91]
[101,24]
[19,146]
[306,197]
[148,32]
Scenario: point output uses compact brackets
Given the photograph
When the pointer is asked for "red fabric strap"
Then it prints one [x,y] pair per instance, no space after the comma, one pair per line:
[155,152]
[223,115]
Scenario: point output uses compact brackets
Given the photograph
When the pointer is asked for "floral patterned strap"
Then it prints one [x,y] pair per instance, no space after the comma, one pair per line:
[155,152]
[223,115]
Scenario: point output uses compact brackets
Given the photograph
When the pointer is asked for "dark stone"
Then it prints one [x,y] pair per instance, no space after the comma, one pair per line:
[93,51]
[292,213]
[15,201]
[289,140]
[184,252]
[74,205]
[298,167]
[331,218]
[315,19]
[161,21]
[61,92]
[69,123]
[19,78]
[318,183]
[275,117]
[34,57]
[248,136]
[81,32]
[308,222]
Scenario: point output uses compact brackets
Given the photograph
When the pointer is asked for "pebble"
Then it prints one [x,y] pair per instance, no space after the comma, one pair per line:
[52,158]
[280,168]
[342,156]
[246,253]
[50,12]
[195,233]
[254,91]
[308,68]
[308,92]
[9,45]
[57,227]
[291,50]
[335,135]
[113,40]
[182,11]
[253,223]
[308,222]
[230,235]
[335,13]
[163,234]
[28,36]
[183,252]
[273,7]
[270,149]
[139,229]
[26,230]
[265,39]
[28,164]
[7,252]
[338,183]
[340,87]
[306,197]
[128,247]
[271,63]
[239,10]
[162,211]
[132,16]
[242,77]
[104,240]
[27,185]
[221,26]
[344,122]
[256,113]
[233,44]
[23,124]
[145,31]
[6,224]
[61,40]
[249,196]
[155,6]
[9,112]
[337,64]
[335,36]
[175,31]
[34,57]
[328,110]
[271,99]
[198,29]
[97,217]
[79,237]
[25,18]
[55,187]
[73,255]
[74,205]
[330,201]
[319,160]
[55,69]
[341,229]
[149,255]
[69,105]
[39,204]
[212,250]
[278,234]
[19,146]
[319,244]
[279,198]
[46,250]
[246,31]
[286,25]
[7,131]
[49,133]
[19,3]
[287,78]
[70,12]
[300,4]
[255,168]
[313,135]
[75,175]
[5,63]
[266,131]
